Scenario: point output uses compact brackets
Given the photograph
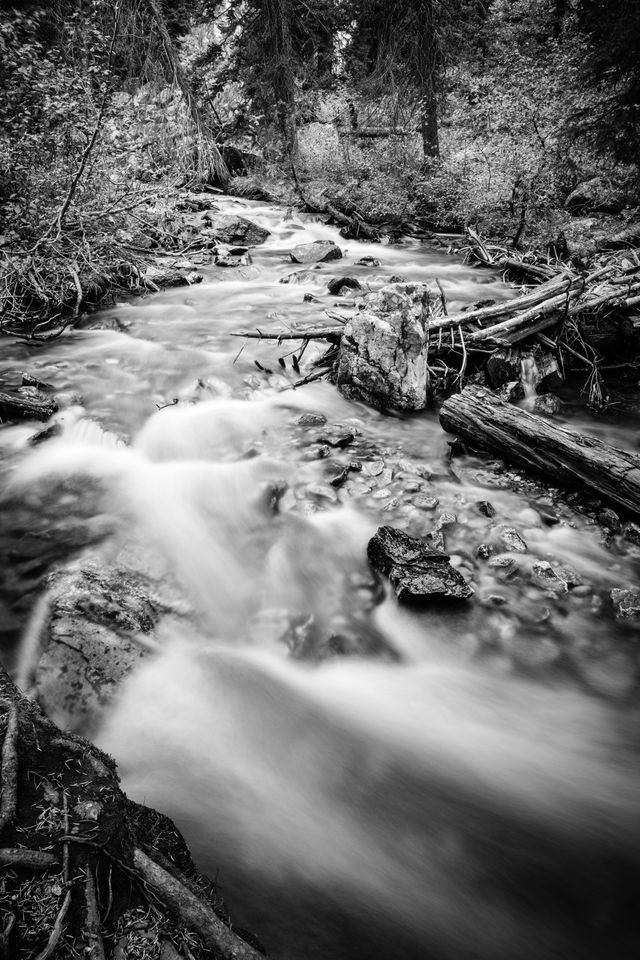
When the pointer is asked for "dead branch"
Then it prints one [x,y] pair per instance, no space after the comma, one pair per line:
[192,911]
[332,334]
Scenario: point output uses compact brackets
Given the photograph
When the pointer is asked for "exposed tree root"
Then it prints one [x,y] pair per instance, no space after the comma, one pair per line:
[87,872]
[8,800]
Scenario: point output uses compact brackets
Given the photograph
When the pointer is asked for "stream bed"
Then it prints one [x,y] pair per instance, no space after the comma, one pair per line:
[364,780]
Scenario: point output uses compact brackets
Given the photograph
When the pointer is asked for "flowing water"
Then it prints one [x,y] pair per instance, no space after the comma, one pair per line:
[465,783]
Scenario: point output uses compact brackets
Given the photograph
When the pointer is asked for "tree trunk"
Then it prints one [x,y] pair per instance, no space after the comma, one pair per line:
[279,26]
[207,155]
[428,70]
[544,448]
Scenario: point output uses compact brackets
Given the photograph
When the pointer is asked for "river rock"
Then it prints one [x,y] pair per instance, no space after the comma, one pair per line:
[368,262]
[543,575]
[340,285]
[626,604]
[548,404]
[228,228]
[609,519]
[100,624]
[511,539]
[383,352]
[311,420]
[300,276]
[416,572]
[320,251]
[631,533]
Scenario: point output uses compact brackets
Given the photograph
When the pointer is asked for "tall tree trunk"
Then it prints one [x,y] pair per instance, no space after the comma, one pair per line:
[560,10]
[207,154]
[428,66]
[279,24]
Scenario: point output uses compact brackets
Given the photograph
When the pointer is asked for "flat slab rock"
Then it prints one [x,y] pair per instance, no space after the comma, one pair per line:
[320,251]
[416,572]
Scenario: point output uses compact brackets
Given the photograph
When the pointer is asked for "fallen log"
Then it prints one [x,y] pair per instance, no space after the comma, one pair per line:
[545,449]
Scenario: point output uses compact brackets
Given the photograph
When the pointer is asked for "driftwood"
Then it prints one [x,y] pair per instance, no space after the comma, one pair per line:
[333,334]
[544,448]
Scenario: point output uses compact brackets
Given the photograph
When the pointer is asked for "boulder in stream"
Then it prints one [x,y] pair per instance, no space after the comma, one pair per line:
[416,572]
[341,285]
[383,352]
[100,624]
[626,604]
[228,228]
[320,251]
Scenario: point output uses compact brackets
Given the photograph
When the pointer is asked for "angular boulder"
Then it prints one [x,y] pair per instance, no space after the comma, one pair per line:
[416,572]
[320,251]
[227,228]
[383,352]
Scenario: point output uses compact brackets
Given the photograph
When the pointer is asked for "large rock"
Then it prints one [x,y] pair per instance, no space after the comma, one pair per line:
[100,625]
[416,572]
[598,195]
[237,231]
[320,251]
[383,352]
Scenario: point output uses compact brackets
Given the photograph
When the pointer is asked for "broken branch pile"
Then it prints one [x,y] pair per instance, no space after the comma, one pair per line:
[581,317]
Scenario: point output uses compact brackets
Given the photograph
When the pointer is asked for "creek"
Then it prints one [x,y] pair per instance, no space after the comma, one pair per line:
[467,789]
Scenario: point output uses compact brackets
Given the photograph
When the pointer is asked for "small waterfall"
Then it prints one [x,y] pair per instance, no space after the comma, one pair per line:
[528,375]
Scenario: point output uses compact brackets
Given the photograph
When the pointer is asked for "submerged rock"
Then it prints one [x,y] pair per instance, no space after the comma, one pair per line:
[320,251]
[383,353]
[300,276]
[416,572]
